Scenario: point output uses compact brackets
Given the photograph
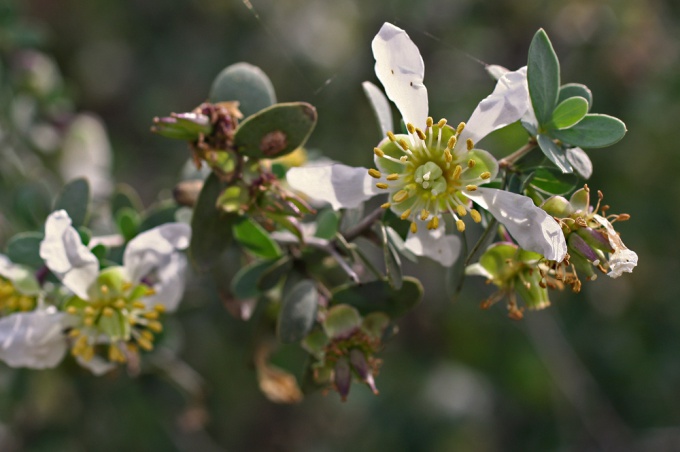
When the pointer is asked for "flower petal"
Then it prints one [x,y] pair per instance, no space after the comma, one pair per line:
[380,105]
[435,245]
[67,257]
[344,187]
[153,258]
[532,227]
[21,277]
[33,339]
[401,70]
[623,259]
[508,102]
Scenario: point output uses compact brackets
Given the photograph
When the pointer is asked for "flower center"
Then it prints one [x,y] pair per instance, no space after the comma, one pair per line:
[116,319]
[428,173]
[11,300]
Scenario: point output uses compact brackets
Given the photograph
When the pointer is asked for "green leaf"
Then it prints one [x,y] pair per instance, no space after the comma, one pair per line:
[555,153]
[298,312]
[379,296]
[24,248]
[553,182]
[392,261]
[245,282]
[543,76]
[327,223]
[128,220]
[398,243]
[125,196]
[254,238]
[271,277]
[575,90]
[568,112]
[74,198]
[275,131]
[244,83]
[341,320]
[211,228]
[159,214]
[593,131]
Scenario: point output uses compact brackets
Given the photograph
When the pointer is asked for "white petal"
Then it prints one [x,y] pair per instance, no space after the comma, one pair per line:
[580,162]
[478,270]
[21,277]
[169,284]
[401,70]
[33,339]
[380,105]
[623,259]
[506,104]
[67,257]
[531,226]
[435,245]
[344,187]
[496,71]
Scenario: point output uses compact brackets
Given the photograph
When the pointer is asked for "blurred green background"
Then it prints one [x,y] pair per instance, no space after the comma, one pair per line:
[597,371]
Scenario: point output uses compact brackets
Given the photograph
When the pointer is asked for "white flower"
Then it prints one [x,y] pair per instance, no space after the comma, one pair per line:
[119,306]
[622,259]
[436,169]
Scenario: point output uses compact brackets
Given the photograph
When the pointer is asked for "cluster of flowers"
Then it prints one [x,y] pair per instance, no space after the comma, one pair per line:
[103,315]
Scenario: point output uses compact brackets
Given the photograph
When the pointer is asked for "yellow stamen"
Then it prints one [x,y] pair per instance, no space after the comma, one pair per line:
[387,205]
[429,121]
[25,303]
[460,225]
[119,303]
[433,224]
[406,214]
[374,173]
[403,144]
[414,228]
[379,152]
[471,187]
[476,217]
[460,128]
[472,163]
[108,312]
[410,127]
[138,305]
[403,158]
[104,290]
[146,345]
[457,171]
[470,145]
[115,355]
[393,176]
[89,310]
[88,321]
[420,134]
[485,175]
[75,332]
[441,123]
[424,214]
[160,308]
[155,326]
[152,315]
[400,196]
[448,156]
[461,210]
[452,142]
[72,310]
[391,136]
[148,335]
[381,185]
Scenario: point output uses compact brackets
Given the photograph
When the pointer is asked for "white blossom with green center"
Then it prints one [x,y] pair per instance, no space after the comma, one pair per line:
[115,311]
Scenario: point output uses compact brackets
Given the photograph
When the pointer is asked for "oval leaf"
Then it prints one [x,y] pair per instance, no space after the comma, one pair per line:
[553,182]
[75,200]
[276,131]
[543,76]
[379,296]
[555,153]
[593,131]
[298,312]
[245,282]
[245,83]
[24,248]
[575,90]
[392,261]
[255,239]
[568,113]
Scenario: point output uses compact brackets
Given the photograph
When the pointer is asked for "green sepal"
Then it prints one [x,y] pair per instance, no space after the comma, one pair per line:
[568,113]
[580,200]
[298,312]
[24,249]
[244,83]
[233,199]
[275,131]
[557,206]
[341,320]
[593,131]
[543,76]
[379,296]
[211,228]
[74,198]
[255,239]
[535,297]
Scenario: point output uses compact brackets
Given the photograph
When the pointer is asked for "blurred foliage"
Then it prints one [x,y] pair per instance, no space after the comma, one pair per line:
[600,373]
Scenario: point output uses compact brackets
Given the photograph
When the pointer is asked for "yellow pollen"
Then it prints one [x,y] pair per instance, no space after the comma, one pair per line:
[160,308]
[155,326]
[429,121]
[406,214]
[379,152]
[460,225]
[457,171]
[470,145]
[485,175]
[81,343]
[138,305]
[145,344]
[381,185]
[148,335]
[391,136]
[104,290]
[452,142]
[72,310]
[471,187]
[400,196]
[420,134]
[108,312]
[441,123]
[25,303]
[393,176]
[150,291]
[472,163]
[410,127]
[75,332]
[424,214]
[89,310]
[476,217]
[115,355]
[403,144]
[132,348]
[414,228]
[127,286]
[387,205]
[461,210]
[152,315]
[433,224]
[448,156]
[88,353]
[403,158]
[460,128]
[119,303]
[88,321]
[374,173]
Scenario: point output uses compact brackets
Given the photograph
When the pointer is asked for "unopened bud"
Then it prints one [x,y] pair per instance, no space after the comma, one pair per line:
[342,378]
[361,367]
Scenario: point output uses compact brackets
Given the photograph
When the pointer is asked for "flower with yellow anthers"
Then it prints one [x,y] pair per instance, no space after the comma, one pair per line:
[434,169]
[116,311]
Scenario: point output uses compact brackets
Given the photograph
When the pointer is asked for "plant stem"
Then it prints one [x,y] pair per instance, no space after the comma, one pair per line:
[364,224]
[511,159]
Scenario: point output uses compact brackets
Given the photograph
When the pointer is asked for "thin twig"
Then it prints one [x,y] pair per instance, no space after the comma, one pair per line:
[518,154]
[364,225]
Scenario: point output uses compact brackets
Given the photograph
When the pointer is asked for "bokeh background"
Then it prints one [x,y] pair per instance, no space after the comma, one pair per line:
[597,371]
